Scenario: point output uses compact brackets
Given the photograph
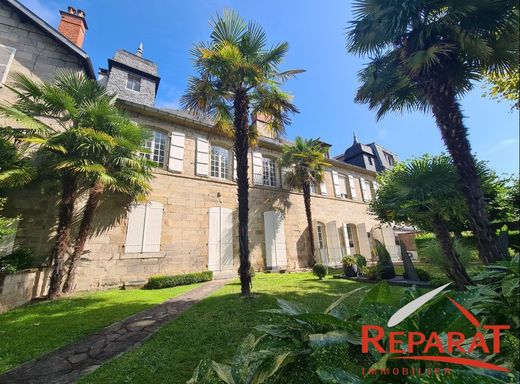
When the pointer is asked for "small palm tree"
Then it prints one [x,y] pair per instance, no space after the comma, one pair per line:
[426,54]
[72,148]
[238,75]
[127,173]
[426,193]
[306,162]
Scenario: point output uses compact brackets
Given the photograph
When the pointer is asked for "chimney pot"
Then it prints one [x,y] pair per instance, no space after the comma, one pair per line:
[73,25]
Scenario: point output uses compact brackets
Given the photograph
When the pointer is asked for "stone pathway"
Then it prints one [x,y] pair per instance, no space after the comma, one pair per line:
[69,363]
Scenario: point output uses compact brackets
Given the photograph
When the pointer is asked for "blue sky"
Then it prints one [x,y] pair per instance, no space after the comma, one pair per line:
[324,93]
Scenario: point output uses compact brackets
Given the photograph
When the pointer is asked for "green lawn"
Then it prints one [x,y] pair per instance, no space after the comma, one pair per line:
[36,329]
[215,326]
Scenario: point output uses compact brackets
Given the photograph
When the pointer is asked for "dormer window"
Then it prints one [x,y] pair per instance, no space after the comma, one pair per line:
[133,82]
[389,158]
[370,161]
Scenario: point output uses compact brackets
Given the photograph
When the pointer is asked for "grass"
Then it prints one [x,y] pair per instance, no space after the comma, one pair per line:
[36,329]
[214,327]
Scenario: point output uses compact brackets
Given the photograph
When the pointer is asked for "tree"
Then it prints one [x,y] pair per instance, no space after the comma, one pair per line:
[70,148]
[426,55]
[504,87]
[238,75]
[426,193]
[126,173]
[306,162]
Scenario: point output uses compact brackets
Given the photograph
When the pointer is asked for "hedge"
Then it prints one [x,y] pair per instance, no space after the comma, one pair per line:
[158,282]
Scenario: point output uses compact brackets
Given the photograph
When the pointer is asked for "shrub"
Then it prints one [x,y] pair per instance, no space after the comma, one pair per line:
[349,261]
[384,263]
[423,275]
[370,272]
[252,272]
[21,258]
[360,260]
[158,282]
[320,270]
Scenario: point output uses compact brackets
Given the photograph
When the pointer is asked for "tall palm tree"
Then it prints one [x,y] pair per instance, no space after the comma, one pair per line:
[238,75]
[70,148]
[426,54]
[127,173]
[306,162]
[425,193]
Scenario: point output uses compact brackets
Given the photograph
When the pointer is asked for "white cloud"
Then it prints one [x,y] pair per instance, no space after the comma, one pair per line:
[502,144]
[48,11]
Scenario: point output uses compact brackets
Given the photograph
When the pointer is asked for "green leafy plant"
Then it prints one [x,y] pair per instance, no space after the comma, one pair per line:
[360,260]
[320,270]
[158,282]
[385,266]
[423,275]
[21,258]
[349,261]
[370,272]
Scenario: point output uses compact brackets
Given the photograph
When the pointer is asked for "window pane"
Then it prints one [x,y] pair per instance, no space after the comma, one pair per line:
[133,83]
[269,172]
[219,162]
[156,145]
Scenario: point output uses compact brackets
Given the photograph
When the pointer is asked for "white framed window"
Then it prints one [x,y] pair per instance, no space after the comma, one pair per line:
[156,145]
[143,233]
[322,242]
[313,188]
[219,162]
[344,187]
[133,82]
[6,59]
[269,171]
[352,238]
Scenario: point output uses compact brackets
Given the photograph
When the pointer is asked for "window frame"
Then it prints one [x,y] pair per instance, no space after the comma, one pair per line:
[151,146]
[322,235]
[223,173]
[7,65]
[135,79]
[269,177]
[344,179]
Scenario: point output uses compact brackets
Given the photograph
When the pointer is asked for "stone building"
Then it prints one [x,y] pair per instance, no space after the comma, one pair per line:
[190,221]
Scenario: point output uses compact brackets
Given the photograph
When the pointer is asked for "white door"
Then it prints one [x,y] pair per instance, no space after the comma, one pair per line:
[220,239]
[323,255]
[275,247]
[334,246]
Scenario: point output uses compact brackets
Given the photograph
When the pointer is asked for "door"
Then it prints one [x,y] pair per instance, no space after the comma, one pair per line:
[322,244]
[275,247]
[220,239]
[334,246]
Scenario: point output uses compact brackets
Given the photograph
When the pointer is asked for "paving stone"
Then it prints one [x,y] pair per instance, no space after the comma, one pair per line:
[68,364]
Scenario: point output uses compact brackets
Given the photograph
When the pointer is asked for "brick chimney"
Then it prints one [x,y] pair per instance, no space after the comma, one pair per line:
[73,25]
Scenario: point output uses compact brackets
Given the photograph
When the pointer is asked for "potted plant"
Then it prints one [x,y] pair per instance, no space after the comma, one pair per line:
[349,266]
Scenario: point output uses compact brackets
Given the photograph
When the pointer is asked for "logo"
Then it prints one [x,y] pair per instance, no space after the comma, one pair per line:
[419,346]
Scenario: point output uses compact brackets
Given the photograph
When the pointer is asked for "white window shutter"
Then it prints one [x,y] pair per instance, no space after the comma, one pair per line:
[333,244]
[202,157]
[8,242]
[175,163]
[214,239]
[258,175]
[235,166]
[365,190]
[6,58]
[353,192]
[135,229]
[323,188]
[335,182]
[226,238]
[153,227]
[275,246]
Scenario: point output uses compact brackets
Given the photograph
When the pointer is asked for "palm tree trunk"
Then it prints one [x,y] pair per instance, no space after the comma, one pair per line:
[66,212]
[94,197]
[455,135]
[457,272]
[308,212]
[241,106]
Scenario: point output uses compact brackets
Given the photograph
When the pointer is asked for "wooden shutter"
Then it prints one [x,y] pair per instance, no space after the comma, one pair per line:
[275,247]
[352,185]
[214,239]
[7,242]
[175,163]
[153,227]
[323,188]
[135,229]
[346,239]
[335,182]
[258,167]
[202,157]
[364,244]
[333,244]
[6,58]
[226,238]
[365,191]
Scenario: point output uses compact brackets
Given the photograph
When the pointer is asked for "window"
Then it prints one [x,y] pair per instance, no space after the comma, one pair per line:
[144,228]
[351,233]
[156,145]
[370,161]
[269,171]
[133,82]
[344,187]
[219,162]
[372,189]
[322,243]
[389,158]
[313,188]
[6,58]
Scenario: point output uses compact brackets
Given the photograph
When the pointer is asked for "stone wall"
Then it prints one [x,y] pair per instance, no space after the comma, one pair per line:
[21,287]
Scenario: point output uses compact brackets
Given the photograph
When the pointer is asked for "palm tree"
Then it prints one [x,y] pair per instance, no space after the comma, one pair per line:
[237,76]
[426,54]
[127,173]
[70,149]
[306,162]
[425,193]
